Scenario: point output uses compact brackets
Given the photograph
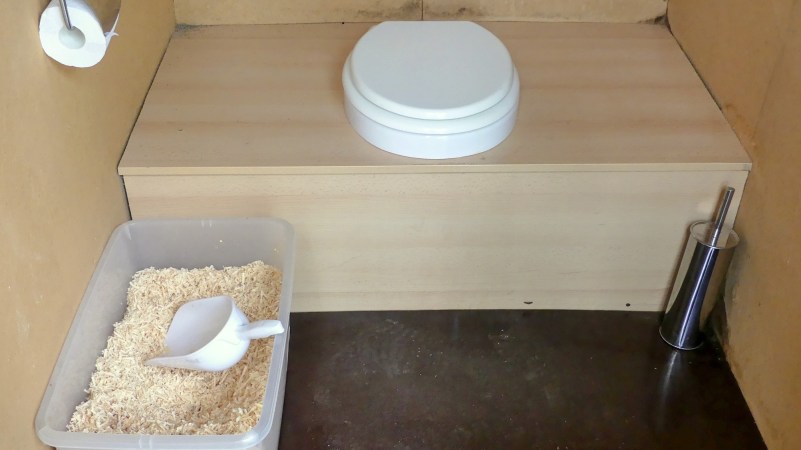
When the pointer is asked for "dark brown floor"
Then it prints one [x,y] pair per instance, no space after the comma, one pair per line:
[505,380]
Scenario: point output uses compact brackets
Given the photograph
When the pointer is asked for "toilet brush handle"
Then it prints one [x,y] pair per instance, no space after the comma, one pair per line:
[721,217]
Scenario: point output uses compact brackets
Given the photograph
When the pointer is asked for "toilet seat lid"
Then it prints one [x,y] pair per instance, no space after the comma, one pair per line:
[431,70]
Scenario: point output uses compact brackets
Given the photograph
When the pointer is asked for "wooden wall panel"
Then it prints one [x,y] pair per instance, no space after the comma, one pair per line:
[218,12]
[765,312]
[232,12]
[749,53]
[630,11]
[734,44]
[62,131]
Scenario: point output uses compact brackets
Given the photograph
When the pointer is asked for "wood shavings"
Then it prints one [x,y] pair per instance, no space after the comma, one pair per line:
[125,396]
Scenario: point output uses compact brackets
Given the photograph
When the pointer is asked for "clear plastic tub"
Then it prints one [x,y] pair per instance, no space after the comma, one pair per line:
[184,243]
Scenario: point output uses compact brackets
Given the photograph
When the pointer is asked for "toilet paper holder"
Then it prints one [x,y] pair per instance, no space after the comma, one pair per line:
[65,13]
[72,33]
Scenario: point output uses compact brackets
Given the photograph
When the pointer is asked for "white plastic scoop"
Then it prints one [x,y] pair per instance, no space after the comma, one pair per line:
[211,334]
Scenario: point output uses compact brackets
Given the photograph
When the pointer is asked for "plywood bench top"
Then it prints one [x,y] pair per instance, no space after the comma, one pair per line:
[267,99]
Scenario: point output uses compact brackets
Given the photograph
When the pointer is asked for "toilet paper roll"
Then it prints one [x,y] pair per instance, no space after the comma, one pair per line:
[84,45]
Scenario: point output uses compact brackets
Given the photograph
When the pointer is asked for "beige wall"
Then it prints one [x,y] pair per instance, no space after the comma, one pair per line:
[62,131]
[212,12]
[749,53]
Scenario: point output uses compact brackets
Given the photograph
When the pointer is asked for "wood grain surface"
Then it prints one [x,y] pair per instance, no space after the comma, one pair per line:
[564,240]
[617,149]
[239,12]
[268,99]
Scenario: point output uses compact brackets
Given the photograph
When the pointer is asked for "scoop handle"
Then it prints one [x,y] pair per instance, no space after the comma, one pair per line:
[261,329]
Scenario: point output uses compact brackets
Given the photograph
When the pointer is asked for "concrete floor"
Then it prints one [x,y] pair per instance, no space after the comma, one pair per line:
[505,379]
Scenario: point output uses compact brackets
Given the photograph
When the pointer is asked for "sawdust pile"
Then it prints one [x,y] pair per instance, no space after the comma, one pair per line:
[125,396]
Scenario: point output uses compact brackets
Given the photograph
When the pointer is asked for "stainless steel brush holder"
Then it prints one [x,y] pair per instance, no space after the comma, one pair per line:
[698,282]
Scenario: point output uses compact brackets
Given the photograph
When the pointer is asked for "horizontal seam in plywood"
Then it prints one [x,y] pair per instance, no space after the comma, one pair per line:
[344,170]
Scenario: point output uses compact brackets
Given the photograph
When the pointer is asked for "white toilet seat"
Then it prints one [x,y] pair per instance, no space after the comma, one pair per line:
[431,89]
[427,126]
[430,146]
[431,70]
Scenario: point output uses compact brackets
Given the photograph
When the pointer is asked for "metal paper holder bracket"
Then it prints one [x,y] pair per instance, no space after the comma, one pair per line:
[65,13]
